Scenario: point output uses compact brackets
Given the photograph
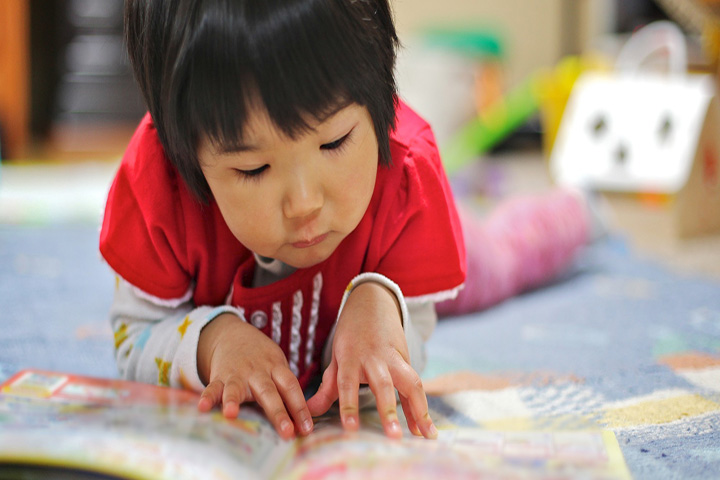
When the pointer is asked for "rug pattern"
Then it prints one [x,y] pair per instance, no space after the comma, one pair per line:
[618,343]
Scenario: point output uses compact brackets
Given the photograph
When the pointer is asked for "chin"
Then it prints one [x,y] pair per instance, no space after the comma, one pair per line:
[307,261]
[308,257]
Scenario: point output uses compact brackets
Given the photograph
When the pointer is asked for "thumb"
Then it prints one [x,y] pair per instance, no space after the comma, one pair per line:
[327,392]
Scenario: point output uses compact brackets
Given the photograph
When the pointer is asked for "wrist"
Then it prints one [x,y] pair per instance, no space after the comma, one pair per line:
[379,280]
[375,293]
[210,335]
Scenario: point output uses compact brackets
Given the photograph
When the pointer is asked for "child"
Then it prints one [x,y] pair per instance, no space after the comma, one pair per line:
[264,198]
[279,213]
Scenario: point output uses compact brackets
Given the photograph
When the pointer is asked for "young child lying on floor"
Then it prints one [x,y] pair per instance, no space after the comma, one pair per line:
[280,214]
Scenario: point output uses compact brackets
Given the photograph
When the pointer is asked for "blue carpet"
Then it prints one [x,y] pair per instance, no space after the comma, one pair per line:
[603,346]
[619,343]
[55,292]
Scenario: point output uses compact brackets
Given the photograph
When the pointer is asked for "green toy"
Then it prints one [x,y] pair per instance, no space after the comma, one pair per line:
[545,92]
[493,126]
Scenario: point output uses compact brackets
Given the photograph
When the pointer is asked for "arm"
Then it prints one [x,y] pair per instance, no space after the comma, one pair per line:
[155,339]
[418,326]
[371,346]
[207,349]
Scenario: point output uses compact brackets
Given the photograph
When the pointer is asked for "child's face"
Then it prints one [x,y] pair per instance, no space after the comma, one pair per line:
[295,200]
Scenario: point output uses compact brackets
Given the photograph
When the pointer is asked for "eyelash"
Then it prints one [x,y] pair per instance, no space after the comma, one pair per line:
[252,174]
[334,147]
[338,144]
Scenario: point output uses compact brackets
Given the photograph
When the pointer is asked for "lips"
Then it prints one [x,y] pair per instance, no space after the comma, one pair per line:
[310,243]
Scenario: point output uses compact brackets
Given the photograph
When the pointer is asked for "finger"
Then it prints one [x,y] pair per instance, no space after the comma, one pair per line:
[234,394]
[267,396]
[348,385]
[326,394]
[410,386]
[412,425]
[211,396]
[294,400]
[382,387]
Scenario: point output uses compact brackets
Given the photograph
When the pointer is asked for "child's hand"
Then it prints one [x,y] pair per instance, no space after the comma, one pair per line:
[370,348]
[240,364]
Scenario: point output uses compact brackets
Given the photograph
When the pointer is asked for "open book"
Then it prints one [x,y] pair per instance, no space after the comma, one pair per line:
[67,426]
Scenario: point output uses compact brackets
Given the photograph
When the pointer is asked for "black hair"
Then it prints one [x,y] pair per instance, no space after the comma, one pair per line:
[199,64]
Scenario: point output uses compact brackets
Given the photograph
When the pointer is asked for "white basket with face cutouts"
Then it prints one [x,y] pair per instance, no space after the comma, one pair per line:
[636,129]
[640,130]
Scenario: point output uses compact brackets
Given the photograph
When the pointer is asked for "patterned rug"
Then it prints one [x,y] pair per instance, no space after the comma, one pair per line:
[618,343]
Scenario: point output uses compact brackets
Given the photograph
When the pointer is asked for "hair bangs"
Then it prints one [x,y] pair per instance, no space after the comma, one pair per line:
[301,60]
[219,87]
[243,54]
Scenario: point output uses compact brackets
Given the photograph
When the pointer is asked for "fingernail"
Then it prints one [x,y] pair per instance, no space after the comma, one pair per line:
[228,410]
[394,428]
[285,425]
[307,426]
[351,421]
[433,431]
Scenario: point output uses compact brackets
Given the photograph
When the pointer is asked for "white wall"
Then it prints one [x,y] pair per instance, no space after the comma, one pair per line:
[537,33]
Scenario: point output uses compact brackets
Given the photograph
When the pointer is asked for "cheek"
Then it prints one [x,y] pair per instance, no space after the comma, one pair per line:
[366,183]
[251,226]
[357,186]
[368,169]
[245,215]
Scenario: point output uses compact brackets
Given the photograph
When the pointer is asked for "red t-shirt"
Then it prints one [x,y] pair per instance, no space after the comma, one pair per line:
[159,238]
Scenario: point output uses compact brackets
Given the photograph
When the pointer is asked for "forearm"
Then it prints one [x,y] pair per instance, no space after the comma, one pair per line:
[371,363]
[156,340]
[417,319]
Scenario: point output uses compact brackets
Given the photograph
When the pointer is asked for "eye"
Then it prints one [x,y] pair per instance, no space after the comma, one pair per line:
[336,144]
[252,174]
[665,128]
[599,126]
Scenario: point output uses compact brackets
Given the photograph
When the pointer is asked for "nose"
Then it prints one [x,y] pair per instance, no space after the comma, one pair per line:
[304,196]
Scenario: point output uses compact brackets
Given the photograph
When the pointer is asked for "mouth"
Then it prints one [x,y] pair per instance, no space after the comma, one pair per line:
[310,243]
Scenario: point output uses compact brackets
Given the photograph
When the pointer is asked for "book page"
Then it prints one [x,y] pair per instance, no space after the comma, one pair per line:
[138,431]
[130,430]
[458,453]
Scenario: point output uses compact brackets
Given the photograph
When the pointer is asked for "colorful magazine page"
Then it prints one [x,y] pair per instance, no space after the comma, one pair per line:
[458,453]
[68,388]
[67,424]
[129,430]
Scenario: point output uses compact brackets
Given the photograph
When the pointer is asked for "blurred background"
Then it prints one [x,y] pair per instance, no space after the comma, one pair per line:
[628,338]
[496,73]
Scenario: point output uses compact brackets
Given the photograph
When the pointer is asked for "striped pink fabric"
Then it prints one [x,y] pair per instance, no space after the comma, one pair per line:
[524,243]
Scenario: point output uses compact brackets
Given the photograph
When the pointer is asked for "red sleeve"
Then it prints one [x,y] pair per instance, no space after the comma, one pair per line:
[417,236]
[143,230]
